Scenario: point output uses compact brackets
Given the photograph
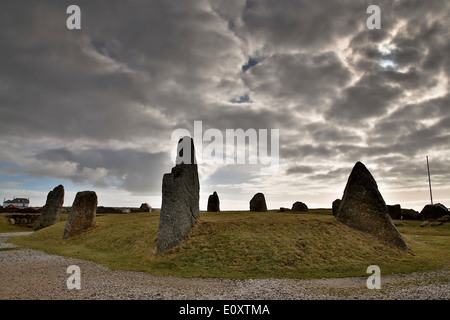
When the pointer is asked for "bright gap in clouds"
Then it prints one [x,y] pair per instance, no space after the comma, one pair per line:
[388,56]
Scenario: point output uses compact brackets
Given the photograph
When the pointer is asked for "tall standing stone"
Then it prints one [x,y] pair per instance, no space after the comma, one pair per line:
[258,203]
[51,212]
[213,203]
[180,198]
[363,208]
[82,214]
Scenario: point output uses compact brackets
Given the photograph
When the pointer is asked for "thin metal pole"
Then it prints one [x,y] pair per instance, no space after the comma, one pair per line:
[429,180]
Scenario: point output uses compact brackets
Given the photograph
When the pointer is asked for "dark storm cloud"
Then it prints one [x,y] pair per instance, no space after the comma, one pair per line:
[366,99]
[333,175]
[411,173]
[408,132]
[232,175]
[300,169]
[295,24]
[305,78]
[136,171]
[432,108]
[58,84]
[324,134]
[240,116]
[305,151]
[425,38]
[130,67]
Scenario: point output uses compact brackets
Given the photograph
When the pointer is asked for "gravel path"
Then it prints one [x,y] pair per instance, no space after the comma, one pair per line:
[6,236]
[31,274]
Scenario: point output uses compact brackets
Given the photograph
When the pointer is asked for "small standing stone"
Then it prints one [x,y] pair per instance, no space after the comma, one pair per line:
[433,211]
[409,214]
[258,203]
[395,211]
[213,203]
[335,206]
[145,207]
[299,207]
[51,212]
[82,214]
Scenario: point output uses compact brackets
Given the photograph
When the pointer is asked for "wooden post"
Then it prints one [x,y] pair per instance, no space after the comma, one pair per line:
[429,180]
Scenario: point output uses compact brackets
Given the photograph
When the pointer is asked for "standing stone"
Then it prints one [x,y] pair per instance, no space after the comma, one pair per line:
[82,214]
[213,203]
[51,212]
[395,211]
[180,198]
[145,207]
[335,206]
[433,211]
[409,214]
[258,203]
[363,208]
[299,207]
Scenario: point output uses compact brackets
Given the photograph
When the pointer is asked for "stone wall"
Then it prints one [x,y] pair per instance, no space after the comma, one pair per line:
[23,219]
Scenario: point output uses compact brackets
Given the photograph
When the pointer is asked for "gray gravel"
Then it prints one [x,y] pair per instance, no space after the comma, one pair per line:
[30,274]
[6,236]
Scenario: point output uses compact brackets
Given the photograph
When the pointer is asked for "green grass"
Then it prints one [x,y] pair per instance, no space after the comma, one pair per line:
[243,245]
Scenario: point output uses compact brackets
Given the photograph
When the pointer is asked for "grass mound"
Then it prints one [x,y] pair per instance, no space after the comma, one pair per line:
[248,245]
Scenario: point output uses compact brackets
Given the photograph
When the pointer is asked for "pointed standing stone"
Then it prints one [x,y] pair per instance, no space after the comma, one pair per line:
[51,212]
[363,208]
[213,203]
[180,198]
[82,214]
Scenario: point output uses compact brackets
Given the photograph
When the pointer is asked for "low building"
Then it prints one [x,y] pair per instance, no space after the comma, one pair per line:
[17,202]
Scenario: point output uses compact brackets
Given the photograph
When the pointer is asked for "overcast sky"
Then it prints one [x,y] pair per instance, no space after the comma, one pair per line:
[94,109]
